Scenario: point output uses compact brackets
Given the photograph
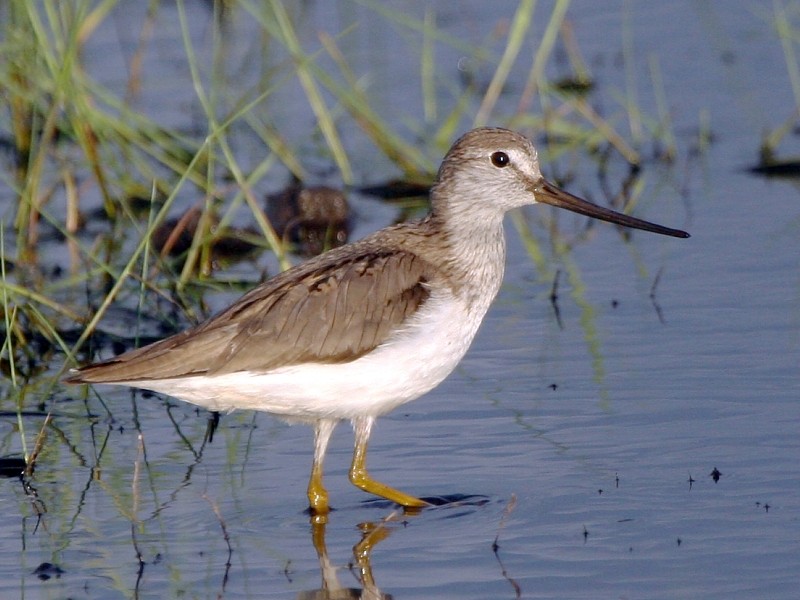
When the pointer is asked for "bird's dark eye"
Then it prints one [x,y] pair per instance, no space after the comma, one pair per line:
[500,159]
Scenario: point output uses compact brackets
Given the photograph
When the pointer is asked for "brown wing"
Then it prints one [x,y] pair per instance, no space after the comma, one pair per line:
[329,310]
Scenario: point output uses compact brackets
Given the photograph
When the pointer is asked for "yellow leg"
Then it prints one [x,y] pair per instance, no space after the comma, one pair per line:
[317,494]
[358,469]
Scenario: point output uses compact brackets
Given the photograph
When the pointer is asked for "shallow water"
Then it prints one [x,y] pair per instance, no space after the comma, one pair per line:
[585,451]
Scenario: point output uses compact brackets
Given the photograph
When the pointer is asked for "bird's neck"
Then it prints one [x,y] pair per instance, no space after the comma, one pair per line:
[475,255]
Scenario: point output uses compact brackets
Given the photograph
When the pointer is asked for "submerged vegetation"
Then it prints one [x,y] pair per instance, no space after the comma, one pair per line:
[103,174]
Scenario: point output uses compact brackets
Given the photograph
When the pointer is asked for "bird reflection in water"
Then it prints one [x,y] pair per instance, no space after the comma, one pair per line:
[372,534]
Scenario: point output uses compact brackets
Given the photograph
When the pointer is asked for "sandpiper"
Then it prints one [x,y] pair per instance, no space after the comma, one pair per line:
[364,328]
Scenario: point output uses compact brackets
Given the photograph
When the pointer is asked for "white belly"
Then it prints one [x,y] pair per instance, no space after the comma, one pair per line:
[404,368]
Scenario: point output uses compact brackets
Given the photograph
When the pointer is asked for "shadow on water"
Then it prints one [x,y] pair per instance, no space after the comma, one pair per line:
[448,500]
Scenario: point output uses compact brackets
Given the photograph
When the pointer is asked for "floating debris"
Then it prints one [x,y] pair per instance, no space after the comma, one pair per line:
[12,466]
[315,218]
[576,86]
[777,168]
[47,571]
[397,189]
[770,166]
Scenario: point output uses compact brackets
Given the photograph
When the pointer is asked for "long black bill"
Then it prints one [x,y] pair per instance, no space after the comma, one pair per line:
[547,193]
